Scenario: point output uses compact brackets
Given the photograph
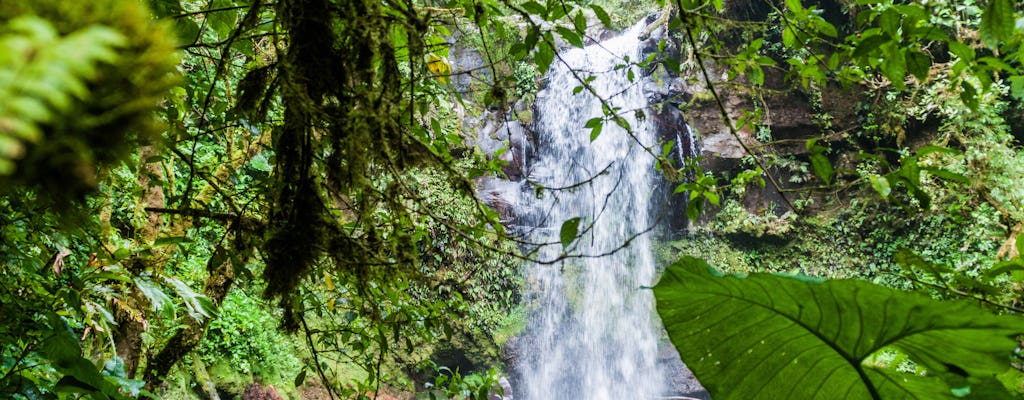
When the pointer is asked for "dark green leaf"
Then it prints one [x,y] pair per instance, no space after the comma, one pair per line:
[157,298]
[822,167]
[867,46]
[570,36]
[62,350]
[1006,266]
[775,337]
[580,23]
[996,65]
[911,262]
[996,23]
[167,240]
[918,64]
[946,174]
[969,95]
[535,8]
[825,28]
[926,150]
[622,123]
[569,230]
[70,384]
[300,378]
[544,56]
[894,66]
[1017,86]
[890,21]
[961,50]
[819,162]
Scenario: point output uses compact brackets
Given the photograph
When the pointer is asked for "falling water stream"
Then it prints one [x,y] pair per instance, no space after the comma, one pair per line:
[592,328]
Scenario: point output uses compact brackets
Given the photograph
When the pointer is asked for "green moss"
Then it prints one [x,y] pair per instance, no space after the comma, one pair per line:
[858,241]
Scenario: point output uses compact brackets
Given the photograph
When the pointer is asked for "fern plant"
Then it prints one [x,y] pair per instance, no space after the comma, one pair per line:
[41,74]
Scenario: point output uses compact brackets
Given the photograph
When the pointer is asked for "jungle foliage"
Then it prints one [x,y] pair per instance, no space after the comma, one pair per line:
[296,153]
[181,177]
[954,66]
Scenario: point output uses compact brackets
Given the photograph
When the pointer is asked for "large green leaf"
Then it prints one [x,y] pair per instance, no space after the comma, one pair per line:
[767,336]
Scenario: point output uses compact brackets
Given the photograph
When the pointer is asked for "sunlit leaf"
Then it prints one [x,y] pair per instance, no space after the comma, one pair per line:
[881,185]
[567,234]
[157,298]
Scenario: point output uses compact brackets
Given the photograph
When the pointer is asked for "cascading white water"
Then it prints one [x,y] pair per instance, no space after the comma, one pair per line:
[592,330]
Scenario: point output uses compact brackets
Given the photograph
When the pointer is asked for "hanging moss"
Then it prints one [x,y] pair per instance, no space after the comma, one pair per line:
[342,148]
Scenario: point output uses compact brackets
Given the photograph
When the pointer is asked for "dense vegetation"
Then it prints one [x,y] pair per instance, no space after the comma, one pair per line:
[200,195]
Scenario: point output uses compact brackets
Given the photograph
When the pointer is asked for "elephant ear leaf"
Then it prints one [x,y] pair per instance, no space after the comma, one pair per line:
[768,336]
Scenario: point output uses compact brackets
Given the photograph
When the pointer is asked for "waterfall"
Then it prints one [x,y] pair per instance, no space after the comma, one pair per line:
[592,331]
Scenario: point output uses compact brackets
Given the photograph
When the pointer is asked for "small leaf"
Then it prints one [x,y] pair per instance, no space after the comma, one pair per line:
[926,150]
[168,240]
[1004,267]
[961,50]
[602,15]
[819,162]
[157,298]
[300,378]
[570,36]
[622,123]
[122,253]
[1017,87]
[909,261]
[867,46]
[946,174]
[569,230]
[712,198]
[969,95]
[822,167]
[595,125]
[881,185]
[535,8]
[580,23]
[918,64]
[825,28]
[895,68]
[544,56]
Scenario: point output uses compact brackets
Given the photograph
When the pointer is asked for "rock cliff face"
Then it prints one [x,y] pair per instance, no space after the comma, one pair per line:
[783,116]
[687,114]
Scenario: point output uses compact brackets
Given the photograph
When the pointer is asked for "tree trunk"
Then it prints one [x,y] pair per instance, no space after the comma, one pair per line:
[218,283]
[130,321]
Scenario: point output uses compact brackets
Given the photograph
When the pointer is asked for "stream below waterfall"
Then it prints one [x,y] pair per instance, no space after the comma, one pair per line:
[592,331]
